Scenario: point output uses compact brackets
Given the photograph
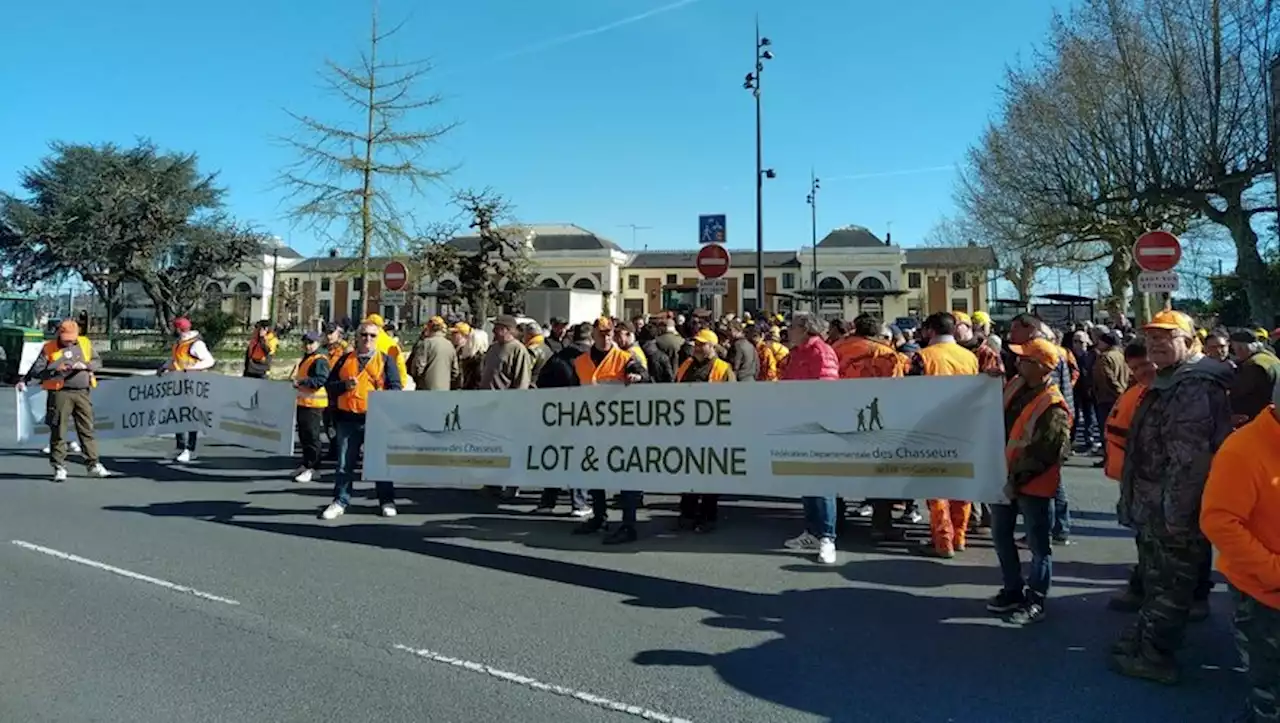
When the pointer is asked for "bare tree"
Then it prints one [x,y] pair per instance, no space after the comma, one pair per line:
[1189,94]
[349,178]
[493,263]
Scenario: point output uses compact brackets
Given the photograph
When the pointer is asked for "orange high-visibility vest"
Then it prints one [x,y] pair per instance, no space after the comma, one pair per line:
[942,360]
[52,352]
[768,363]
[1115,430]
[612,369]
[309,398]
[867,358]
[335,353]
[261,349]
[369,379]
[1046,483]
[720,370]
[182,358]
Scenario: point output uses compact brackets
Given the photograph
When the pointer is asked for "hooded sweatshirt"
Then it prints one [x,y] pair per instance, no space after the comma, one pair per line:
[1179,425]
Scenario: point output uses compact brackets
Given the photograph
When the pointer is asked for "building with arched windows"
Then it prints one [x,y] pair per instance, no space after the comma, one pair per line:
[851,271]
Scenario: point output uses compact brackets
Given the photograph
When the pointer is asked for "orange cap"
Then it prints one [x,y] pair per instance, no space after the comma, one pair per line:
[68,330]
[1172,321]
[1041,351]
[436,322]
[604,323]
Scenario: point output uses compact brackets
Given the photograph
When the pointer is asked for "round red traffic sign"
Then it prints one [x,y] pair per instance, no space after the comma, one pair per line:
[1157,251]
[712,261]
[395,276]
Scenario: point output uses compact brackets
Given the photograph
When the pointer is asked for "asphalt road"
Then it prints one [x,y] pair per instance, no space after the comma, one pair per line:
[210,592]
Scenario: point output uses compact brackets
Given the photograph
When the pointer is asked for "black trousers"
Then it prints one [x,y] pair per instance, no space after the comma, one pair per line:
[185,442]
[700,507]
[310,432]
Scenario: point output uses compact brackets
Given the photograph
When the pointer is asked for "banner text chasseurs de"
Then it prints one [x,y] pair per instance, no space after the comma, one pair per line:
[638,413]
[167,388]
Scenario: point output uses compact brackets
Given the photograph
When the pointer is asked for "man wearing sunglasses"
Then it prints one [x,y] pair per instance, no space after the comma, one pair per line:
[357,373]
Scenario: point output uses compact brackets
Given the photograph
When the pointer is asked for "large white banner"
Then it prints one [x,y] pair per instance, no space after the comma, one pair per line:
[253,413]
[913,438]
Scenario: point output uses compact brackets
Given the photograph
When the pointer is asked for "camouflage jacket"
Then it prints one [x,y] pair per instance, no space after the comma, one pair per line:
[1175,432]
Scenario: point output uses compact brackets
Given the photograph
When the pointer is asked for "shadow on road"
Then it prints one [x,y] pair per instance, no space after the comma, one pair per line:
[860,653]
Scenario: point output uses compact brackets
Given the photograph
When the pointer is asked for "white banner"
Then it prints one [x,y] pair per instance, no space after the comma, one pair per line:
[253,413]
[913,438]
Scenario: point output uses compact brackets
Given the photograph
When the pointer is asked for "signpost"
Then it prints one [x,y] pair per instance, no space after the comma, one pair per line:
[394,277]
[1157,251]
[712,261]
[1157,282]
[712,229]
[395,298]
[713,287]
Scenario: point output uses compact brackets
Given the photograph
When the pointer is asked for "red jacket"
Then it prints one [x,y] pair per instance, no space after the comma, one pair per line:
[814,359]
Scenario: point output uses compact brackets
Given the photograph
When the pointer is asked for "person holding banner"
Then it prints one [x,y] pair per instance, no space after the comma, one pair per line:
[65,368]
[943,356]
[699,512]
[190,354]
[309,378]
[352,379]
[605,363]
[1039,441]
[812,358]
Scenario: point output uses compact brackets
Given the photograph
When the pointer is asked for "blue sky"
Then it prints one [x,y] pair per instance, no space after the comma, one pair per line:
[643,123]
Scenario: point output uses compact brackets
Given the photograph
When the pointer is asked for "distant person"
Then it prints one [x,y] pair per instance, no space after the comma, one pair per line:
[190,354]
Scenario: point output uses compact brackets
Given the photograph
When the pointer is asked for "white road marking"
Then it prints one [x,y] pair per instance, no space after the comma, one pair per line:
[124,573]
[534,684]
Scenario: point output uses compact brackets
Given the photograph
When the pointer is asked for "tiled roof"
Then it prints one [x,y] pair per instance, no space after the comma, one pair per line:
[551,237]
[981,257]
[850,237]
[685,259]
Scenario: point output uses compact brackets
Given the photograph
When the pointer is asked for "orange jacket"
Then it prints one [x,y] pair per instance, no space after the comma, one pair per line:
[1240,510]
[1115,429]
[768,362]
[864,358]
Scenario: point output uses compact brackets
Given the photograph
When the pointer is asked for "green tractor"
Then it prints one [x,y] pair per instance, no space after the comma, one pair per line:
[20,338]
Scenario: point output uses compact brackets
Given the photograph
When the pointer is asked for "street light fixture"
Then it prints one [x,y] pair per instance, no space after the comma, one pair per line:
[812,200]
[752,83]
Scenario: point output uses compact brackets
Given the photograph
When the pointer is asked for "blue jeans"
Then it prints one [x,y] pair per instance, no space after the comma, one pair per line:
[1037,516]
[820,516]
[349,442]
[1060,515]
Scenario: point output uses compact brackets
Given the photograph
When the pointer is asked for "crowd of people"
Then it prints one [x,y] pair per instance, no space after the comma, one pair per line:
[1185,420]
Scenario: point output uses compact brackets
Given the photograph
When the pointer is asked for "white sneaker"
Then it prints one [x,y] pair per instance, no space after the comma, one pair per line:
[60,474]
[582,514]
[388,510]
[804,542]
[75,447]
[184,456]
[866,511]
[303,476]
[333,511]
[99,471]
[827,551]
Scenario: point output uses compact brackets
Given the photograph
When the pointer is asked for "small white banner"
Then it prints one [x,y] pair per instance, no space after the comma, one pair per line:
[914,438]
[713,287]
[253,413]
[395,298]
[1157,282]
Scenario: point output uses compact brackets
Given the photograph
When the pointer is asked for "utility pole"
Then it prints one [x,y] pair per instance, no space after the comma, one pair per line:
[752,83]
[812,200]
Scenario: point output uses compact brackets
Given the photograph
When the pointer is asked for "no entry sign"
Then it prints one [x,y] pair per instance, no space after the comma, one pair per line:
[394,276]
[712,261]
[1157,251]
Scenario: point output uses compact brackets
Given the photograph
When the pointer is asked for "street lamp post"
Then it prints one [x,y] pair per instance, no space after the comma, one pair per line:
[752,83]
[812,200]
